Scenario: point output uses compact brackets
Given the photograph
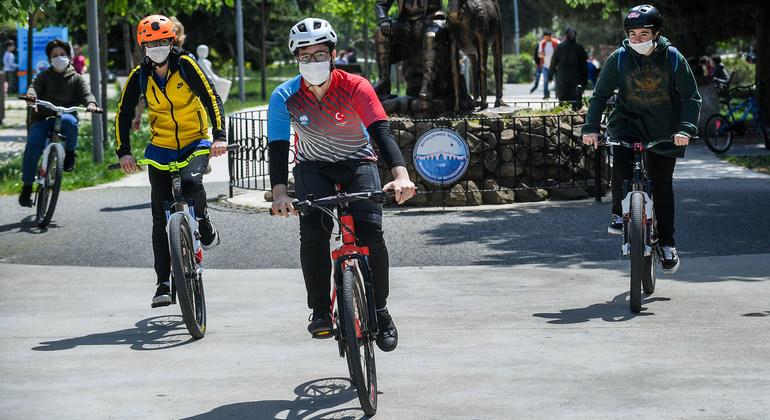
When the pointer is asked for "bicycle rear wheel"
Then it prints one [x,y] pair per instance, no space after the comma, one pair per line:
[636,239]
[719,135]
[187,281]
[359,346]
[48,192]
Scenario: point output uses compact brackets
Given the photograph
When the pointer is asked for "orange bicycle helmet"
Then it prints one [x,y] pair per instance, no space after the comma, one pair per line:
[153,28]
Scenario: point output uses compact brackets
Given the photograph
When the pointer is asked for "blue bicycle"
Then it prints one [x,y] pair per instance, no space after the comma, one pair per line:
[721,128]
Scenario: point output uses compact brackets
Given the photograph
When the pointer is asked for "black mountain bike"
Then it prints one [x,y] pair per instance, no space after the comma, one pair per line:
[49,173]
[640,238]
[355,317]
[185,247]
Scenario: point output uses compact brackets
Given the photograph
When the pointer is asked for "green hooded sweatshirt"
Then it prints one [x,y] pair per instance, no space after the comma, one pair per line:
[652,103]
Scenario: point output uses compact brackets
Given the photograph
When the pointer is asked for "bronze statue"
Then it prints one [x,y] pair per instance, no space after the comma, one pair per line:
[409,38]
[473,24]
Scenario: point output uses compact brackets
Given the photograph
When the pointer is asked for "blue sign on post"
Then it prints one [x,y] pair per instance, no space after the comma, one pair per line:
[40,38]
[441,156]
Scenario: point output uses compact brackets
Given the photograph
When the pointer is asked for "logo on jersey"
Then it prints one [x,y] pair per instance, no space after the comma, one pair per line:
[179,85]
[341,119]
[441,156]
[304,120]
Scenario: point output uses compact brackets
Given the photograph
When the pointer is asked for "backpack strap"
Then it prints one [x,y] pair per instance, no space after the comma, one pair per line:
[621,54]
[673,59]
[143,84]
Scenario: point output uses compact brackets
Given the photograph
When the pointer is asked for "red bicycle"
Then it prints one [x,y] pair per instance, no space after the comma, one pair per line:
[353,311]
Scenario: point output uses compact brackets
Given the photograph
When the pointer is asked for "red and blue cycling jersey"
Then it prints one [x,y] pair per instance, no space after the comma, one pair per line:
[331,130]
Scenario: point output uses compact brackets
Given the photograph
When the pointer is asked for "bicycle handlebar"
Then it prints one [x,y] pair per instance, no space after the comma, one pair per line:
[339,199]
[608,141]
[56,108]
[175,164]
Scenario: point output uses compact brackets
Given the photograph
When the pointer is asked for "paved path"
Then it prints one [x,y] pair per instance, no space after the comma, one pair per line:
[529,342]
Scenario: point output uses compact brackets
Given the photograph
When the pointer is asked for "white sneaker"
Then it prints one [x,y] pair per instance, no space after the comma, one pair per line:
[670,261]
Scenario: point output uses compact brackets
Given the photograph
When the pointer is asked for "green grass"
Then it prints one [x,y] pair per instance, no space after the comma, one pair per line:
[755,163]
[86,173]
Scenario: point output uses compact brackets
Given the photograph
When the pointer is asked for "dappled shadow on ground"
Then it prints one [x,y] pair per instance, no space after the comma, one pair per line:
[616,310]
[714,218]
[155,333]
[316,399]
[126,208]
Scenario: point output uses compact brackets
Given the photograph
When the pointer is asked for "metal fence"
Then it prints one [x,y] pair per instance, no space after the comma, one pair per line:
[537,150]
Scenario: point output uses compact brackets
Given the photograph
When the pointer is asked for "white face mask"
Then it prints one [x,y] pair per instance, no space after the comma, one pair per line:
[315,73]
[60,63]
[643,48]
[157,54]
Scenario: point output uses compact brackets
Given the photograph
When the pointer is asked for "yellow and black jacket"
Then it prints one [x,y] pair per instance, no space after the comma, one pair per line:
[177,112]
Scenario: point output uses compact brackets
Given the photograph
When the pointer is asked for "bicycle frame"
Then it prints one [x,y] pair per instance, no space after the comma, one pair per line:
[748,106]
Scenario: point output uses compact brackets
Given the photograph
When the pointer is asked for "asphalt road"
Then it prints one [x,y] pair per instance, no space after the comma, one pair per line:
[718,213]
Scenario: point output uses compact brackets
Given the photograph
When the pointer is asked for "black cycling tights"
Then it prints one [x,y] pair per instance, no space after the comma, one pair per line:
[192,188]
[319,178]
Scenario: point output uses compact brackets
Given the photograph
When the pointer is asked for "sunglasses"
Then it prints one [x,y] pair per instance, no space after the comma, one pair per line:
[159,43]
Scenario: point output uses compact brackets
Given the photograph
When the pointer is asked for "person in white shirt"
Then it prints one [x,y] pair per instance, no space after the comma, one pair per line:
[545,51]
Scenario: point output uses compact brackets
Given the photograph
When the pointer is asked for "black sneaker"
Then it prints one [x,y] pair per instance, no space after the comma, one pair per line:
[209,234]
[320,324]
[25,198]
[387,338]
[670,261]
[616,225]
[162,295]
[69,161]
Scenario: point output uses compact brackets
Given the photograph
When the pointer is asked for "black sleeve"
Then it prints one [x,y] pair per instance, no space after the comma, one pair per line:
[278,153]
[126,110]
[204,89]
[383,138]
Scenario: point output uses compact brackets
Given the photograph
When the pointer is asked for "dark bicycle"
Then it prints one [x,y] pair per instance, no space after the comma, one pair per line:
[354,318]
[721,128]
[185,247]
[49,173]
[640,238]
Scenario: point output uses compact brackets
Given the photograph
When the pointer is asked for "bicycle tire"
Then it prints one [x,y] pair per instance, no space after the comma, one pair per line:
[636,240]
[718,133]
[650,263]
[362,368]
[47,195]
[188,283]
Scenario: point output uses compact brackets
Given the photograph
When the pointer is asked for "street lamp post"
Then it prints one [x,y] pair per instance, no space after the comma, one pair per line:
[516,25]
[94,74]
[239,46]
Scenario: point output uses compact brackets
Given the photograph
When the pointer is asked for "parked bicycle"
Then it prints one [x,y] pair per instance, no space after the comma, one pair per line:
[640,238]
[185,247]
[49,173]
[354,318]
[720,128]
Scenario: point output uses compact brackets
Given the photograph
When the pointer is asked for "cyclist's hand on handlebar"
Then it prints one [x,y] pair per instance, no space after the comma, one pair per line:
[402,186]
[219,147]
[136,124]
[128,164]
[591,139]
[93,108]
[282,205]
[681,140]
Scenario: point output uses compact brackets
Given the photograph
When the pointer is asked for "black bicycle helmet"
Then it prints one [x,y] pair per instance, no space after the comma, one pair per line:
[643,16]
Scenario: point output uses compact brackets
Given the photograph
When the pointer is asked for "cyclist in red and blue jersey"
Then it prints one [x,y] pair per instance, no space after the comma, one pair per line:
[335,116]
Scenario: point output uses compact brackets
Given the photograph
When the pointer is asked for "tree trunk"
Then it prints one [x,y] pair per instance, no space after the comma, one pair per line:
[102,16]
[763,58]
[127,50]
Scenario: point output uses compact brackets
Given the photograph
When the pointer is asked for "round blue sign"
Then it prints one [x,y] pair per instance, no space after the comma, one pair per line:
[441,156]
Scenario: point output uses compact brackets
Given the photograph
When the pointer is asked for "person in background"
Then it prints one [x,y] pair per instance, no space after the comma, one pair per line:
[79,60]
[592,65]
[719,71]
[545,51]
[568,63]
[538,67]
[10,67]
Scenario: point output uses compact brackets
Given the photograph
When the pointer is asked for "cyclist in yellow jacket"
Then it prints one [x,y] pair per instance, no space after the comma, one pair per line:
[181,101]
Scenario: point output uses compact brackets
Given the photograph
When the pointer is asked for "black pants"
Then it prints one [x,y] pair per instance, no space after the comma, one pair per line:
[319,178]
[192,188]
[660,170]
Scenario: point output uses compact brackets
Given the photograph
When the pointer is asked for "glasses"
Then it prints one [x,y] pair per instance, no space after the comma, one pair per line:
[318,56]
[159,43]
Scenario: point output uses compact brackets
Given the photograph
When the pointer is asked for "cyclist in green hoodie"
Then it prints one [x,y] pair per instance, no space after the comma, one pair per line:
[657,99]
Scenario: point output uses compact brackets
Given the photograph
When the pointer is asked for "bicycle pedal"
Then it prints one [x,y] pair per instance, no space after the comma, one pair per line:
[323,334]
[160,304]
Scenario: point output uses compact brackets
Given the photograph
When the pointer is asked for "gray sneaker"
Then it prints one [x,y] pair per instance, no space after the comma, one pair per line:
[616,225]
[162,295]
[670,261]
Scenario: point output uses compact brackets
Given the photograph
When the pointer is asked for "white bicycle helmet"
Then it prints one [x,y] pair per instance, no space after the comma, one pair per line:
[311,31]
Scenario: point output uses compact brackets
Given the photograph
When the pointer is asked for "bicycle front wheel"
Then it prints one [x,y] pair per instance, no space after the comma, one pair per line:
[636,239]
[650,263]
[187,281]
[359,346]
[47,193]
[719,135]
